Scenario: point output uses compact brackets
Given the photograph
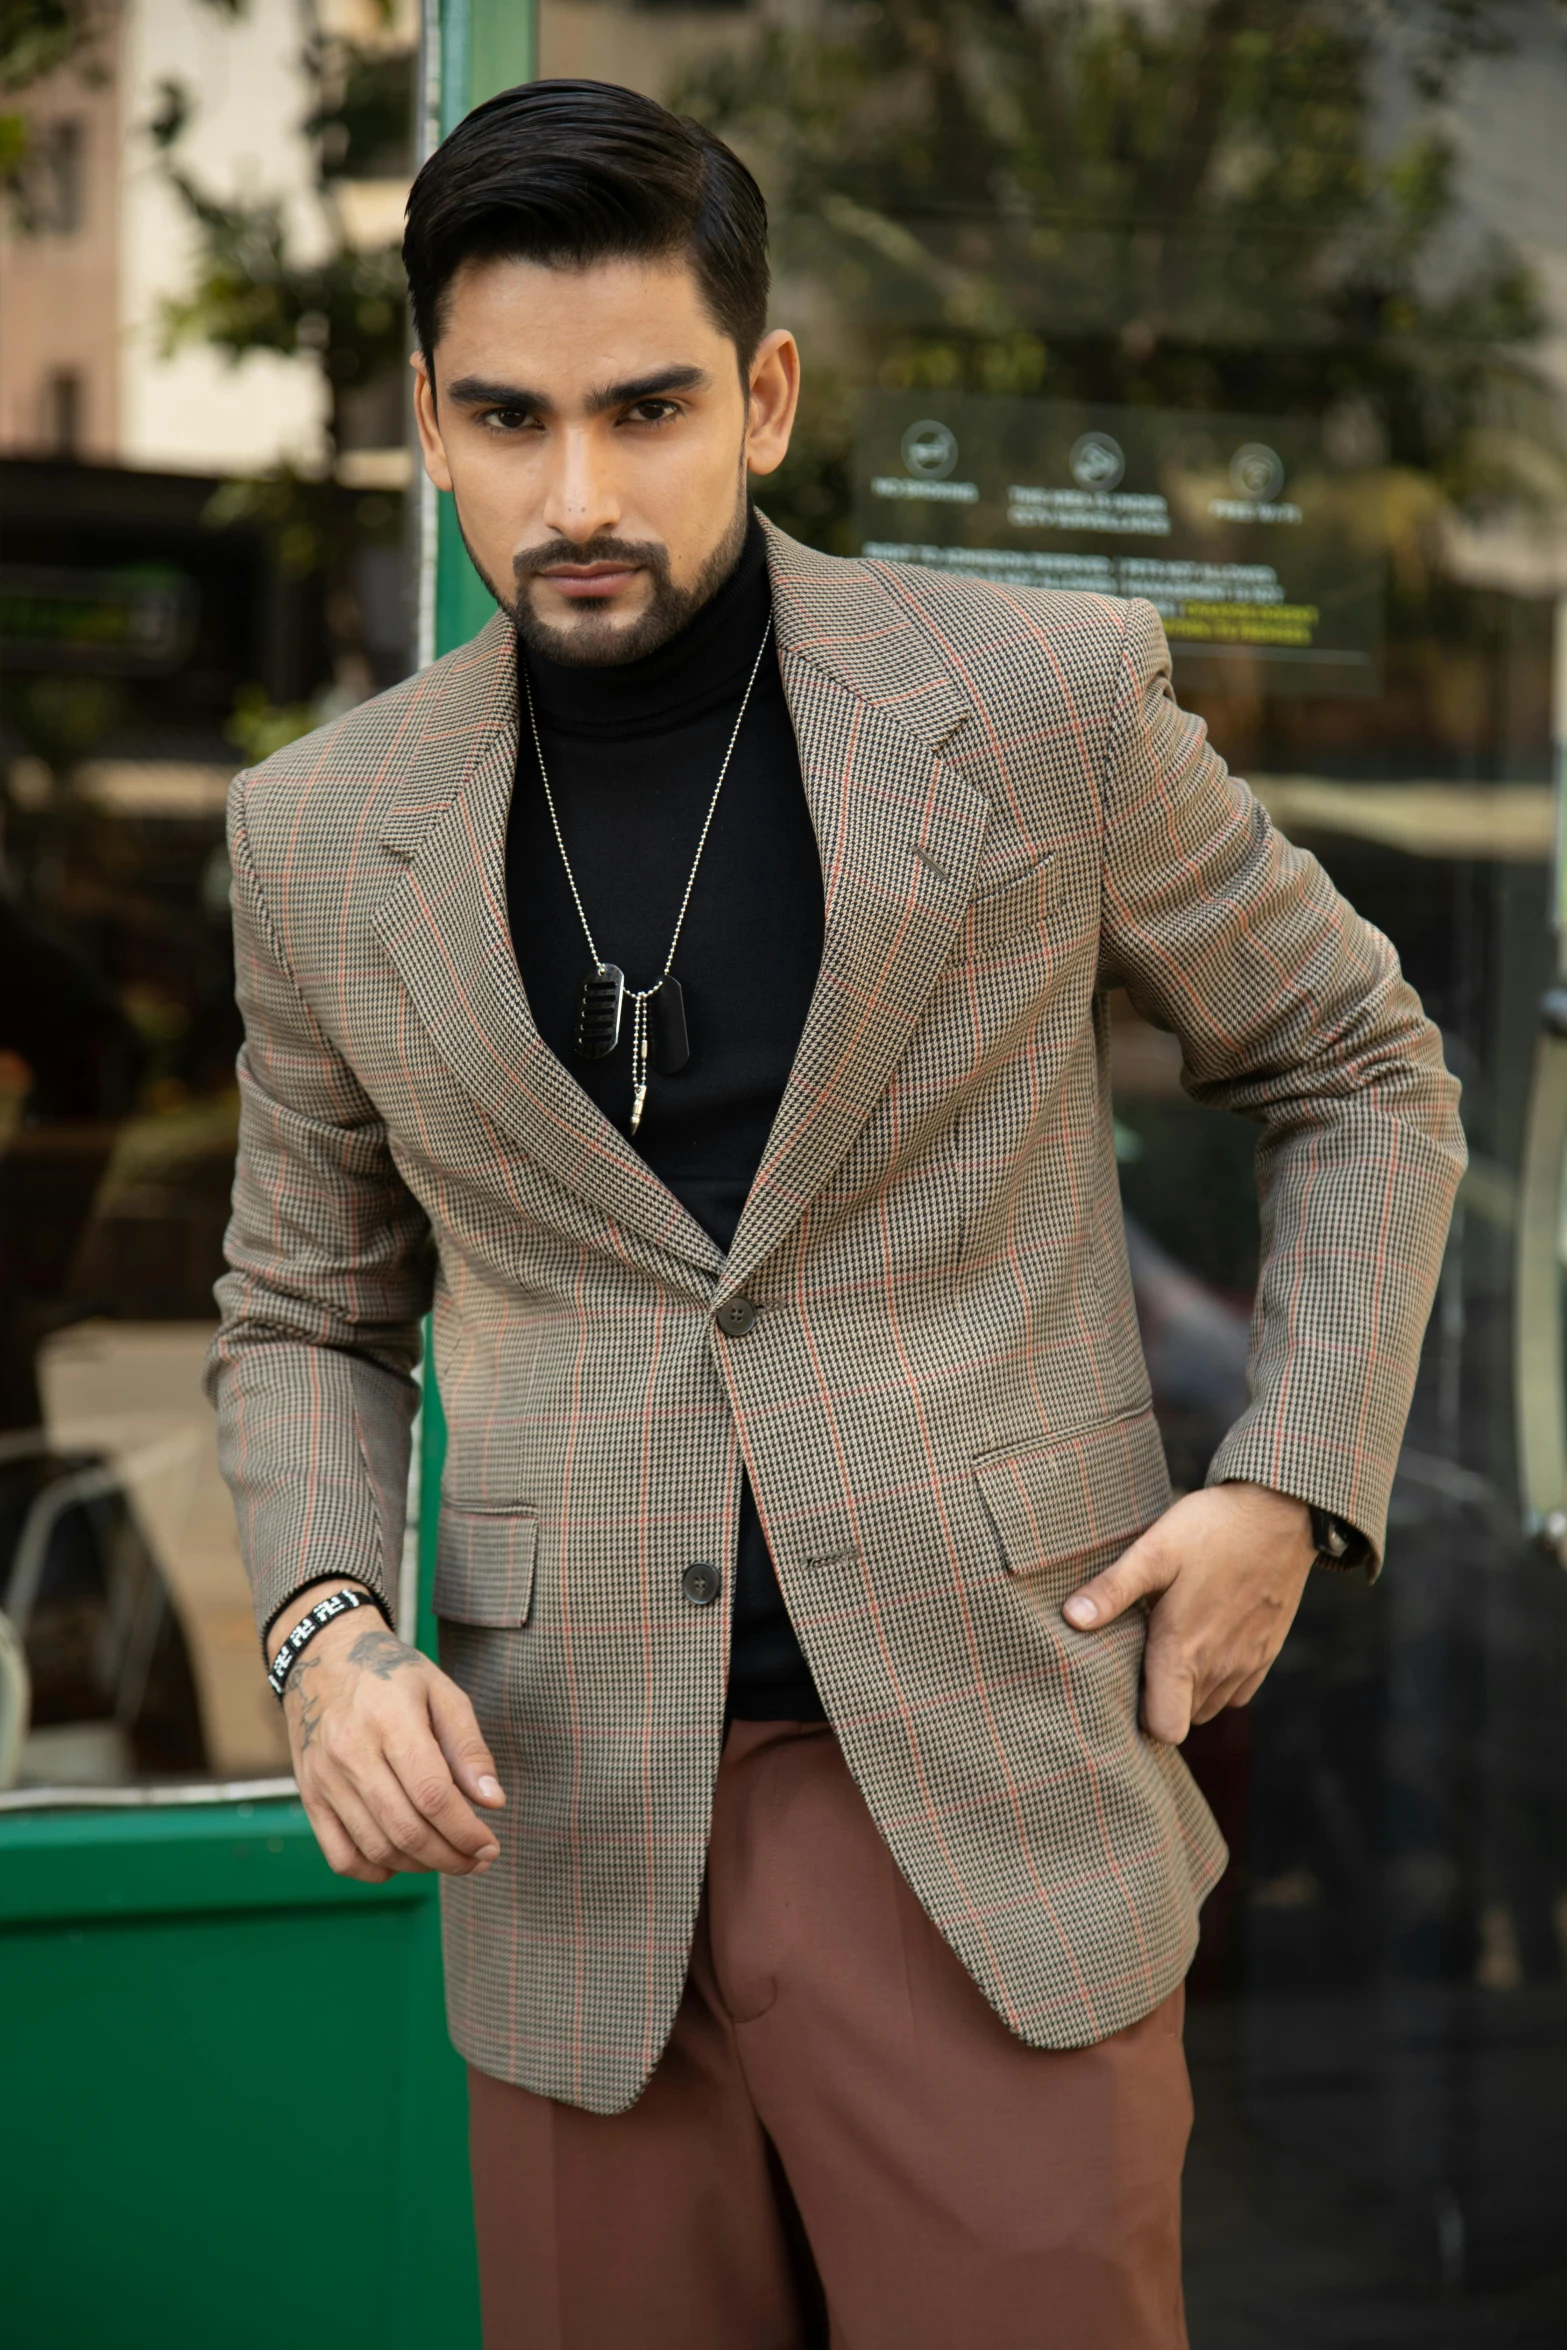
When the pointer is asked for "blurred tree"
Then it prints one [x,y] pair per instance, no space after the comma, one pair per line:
[38,37]
[1245,205]
[340,304]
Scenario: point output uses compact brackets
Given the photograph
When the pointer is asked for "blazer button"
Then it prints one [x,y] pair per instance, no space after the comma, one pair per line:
[736,1317]
[701,1583]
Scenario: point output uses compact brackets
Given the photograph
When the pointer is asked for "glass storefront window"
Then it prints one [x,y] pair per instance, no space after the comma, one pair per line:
[1258,311]
[204,461]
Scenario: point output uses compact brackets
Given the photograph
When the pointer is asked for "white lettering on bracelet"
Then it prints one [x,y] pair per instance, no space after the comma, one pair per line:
[306,1629]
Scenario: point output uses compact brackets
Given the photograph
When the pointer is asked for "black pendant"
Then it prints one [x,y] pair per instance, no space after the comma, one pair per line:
[667,1033]
[598,1014]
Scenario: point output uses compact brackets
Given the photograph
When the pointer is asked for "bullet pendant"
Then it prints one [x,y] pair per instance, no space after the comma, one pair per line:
[637,1107]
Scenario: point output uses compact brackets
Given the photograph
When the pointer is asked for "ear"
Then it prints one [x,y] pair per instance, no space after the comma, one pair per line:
[432,447]
[774,397]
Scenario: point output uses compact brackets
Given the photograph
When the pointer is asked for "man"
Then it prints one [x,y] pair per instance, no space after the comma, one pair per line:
[694,987]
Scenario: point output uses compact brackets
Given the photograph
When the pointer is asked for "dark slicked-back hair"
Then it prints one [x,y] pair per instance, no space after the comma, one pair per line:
[570,173]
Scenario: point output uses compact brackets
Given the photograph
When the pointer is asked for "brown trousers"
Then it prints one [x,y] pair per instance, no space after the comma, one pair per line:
[840,2134]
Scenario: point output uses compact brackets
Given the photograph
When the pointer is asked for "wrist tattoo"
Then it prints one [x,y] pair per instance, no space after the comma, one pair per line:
[308,1719]
[378,1651]
[382,1653]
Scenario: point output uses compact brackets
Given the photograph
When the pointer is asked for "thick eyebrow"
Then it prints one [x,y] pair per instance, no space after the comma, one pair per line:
[477,391]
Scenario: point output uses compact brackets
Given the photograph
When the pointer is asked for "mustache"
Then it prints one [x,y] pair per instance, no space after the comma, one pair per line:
[646,554]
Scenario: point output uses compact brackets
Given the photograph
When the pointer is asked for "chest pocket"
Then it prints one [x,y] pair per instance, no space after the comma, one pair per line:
[1015,910]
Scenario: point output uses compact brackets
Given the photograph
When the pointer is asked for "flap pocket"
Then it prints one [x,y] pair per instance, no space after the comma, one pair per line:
[1055,1504]
[484,1566]
[1022,905]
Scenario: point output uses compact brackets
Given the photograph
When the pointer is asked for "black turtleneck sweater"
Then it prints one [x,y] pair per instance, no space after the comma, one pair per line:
[633,753]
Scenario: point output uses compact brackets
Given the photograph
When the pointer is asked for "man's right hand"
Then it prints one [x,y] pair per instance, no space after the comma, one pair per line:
[388,1756]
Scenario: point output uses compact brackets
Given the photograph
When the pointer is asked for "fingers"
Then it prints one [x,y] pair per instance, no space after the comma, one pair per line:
[1169,1682]
[462,1742]
[1149,1565]
[1171,1687]
[1179,1689]
[1240,1689]
[372,1759]
[341,1854]
[425,1787]
[370,1839]
[1226,1566]
[1169,1693]
[1211,1702]
[401,1833]
[382,1800]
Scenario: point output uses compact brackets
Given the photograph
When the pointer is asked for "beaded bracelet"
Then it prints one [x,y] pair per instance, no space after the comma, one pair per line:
[308,1626]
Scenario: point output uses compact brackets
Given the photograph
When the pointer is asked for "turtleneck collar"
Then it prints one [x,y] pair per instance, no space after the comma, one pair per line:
[705,665]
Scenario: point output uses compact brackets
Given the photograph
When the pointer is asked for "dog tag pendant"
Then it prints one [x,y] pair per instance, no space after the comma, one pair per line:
[668,1035]
[598,1014]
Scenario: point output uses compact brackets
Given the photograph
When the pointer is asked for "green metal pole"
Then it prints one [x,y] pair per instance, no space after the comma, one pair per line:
[472,49]
[475,47]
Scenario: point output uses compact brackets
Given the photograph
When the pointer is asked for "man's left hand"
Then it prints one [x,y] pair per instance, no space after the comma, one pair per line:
[1229,1565]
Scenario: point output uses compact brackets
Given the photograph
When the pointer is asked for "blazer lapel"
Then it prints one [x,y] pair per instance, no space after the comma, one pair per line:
[899,831]
[443,921]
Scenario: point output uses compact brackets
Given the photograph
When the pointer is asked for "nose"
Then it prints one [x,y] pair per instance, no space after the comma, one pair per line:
[581,496]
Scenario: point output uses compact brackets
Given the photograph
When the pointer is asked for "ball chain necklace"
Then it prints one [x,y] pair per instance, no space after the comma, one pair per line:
[604,991]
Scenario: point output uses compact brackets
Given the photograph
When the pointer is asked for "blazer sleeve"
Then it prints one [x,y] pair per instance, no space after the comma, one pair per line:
[330,1270]
[1293,1010]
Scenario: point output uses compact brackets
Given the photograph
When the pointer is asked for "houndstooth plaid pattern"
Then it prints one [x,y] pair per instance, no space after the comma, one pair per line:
[942,1402]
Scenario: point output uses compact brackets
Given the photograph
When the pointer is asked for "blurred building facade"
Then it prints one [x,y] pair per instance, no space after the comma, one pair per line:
[101,242]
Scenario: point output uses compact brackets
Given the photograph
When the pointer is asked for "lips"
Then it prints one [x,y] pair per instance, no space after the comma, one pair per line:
[589,582]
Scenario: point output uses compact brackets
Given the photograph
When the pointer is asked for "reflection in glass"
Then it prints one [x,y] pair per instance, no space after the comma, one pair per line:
[203,459]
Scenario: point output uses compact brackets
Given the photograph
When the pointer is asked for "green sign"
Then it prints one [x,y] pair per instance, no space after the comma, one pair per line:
[1252,546]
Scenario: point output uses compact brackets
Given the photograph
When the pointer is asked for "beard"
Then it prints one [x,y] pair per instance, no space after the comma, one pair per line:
[586,639]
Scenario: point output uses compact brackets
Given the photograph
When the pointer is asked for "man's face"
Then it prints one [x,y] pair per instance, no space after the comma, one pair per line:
[594,429]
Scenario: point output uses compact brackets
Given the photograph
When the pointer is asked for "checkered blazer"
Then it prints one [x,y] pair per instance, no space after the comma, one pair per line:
[942,1401]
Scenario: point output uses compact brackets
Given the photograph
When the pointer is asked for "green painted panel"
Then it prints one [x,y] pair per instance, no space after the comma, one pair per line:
[207,2030]
[222,1856]
[183,2094]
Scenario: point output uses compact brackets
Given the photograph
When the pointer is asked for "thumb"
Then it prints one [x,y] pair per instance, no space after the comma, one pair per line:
[1146,1567]
[462,1742]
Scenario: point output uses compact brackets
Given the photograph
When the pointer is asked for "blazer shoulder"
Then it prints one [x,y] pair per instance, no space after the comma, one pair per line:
[953,610]
[402,750]
[928,642]
[976,613]
[1041,665]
